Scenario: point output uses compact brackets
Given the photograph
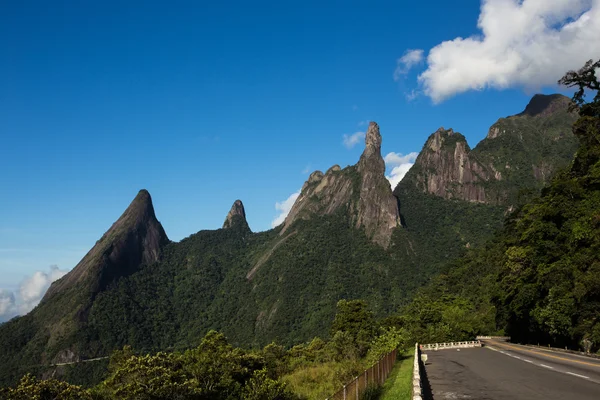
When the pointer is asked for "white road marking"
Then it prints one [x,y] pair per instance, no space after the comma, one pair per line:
[542,365]
[580,376]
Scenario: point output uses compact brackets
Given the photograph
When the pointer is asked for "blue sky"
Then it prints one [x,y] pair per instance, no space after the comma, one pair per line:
[203,103]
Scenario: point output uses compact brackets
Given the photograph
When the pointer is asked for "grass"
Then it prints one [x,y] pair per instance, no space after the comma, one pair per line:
[319,381]
[398,385]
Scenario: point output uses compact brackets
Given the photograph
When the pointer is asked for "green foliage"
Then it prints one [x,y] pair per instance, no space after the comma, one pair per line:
[585,80]
[261,387]
[372,392]
[203,283]
[31,388]
[353,328]
[537,281]
[214,370]
[399,383]
[151,377]
[390,339]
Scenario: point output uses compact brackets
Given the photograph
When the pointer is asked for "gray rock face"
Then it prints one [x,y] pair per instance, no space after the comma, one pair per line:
[136,238]
[377,207]
[522,150]
[362,189]
[237,211]
[447,169]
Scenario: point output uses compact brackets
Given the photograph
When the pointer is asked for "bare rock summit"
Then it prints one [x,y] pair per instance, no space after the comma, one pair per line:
[236,214]
[362,190]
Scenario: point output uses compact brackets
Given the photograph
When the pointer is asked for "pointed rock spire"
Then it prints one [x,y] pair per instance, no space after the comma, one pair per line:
[377,207]
[362,189]
[237,213]
[371,156]
[136,238]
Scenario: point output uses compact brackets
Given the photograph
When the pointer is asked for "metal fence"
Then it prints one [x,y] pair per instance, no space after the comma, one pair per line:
[374,376]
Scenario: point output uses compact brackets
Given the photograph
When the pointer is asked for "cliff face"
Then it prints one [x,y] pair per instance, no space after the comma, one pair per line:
[377,207]
[136,238]
[446,168]
[362,189]
[520,152]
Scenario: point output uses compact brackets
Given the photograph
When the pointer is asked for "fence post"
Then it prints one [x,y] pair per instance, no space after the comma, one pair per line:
[344,392]
[357,385]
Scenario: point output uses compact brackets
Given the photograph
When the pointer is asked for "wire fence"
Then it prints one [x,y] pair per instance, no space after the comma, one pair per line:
[373,376]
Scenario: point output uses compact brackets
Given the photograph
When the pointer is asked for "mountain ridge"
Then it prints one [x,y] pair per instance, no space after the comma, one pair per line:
[520,151]
[361,188]
[342,239]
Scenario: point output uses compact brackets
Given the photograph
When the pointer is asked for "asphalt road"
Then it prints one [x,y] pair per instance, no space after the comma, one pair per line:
[503,371]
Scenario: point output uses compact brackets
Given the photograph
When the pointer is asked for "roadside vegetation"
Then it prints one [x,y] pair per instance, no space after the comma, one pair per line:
[399,384]
[217,370]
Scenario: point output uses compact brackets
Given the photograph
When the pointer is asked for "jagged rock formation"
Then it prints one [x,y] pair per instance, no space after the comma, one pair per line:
[377,207]
[446,168]
[136,238]
[236,214]
[362,189]
[520,152]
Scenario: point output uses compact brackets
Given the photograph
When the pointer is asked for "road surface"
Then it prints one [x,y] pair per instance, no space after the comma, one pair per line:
[504,371]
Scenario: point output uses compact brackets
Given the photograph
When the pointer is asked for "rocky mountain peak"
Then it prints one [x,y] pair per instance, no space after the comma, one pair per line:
[362,189]
[436,139]
[373,139]
[371,157]
[446,168]
[546,104]
[236,213]
[136,238]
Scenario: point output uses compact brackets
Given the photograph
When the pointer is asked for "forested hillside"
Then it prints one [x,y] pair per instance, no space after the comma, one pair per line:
[538,280]
[347,237]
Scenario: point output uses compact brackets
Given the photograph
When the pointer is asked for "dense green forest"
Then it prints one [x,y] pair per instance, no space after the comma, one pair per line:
[538,280]
[452,271]
[217,370]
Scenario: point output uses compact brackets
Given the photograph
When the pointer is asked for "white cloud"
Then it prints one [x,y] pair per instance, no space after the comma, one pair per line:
[30,292]
[522,43]
[411,95]
[352,140]
[407,61]
[283,208]
[400,164]
[7,304]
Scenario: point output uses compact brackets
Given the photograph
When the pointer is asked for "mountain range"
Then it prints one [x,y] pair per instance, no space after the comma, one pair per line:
[348,235]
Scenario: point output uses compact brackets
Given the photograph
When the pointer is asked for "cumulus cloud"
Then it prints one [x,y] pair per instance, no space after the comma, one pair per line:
[399,164]
[352,140]
[522,43]
[30,292]
[283,208]
[407,61]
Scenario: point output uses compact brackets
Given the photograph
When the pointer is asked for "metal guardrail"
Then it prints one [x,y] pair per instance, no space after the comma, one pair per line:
[451,345]
[373,376]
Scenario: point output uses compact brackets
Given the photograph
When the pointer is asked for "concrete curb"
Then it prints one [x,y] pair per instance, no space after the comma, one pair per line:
[416,378]
[451,345]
